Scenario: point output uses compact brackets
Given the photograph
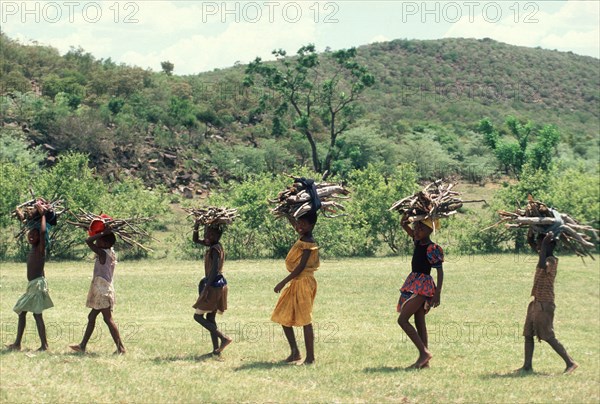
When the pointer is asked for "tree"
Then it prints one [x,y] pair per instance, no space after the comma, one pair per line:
[541,153]
[167,67]
[514,154]
[313,93]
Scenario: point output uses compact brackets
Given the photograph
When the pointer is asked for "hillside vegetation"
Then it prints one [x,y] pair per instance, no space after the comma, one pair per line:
[195,131]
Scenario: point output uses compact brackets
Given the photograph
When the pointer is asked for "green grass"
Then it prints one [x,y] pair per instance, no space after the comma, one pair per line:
[360,350]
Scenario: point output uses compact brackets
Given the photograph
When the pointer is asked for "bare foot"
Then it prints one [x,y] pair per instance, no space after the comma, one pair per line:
[77,348]
[294,357]
[423,360]
[571,368]
[42,349]
[120,351]
[308,361]
[224,344]
[13,347]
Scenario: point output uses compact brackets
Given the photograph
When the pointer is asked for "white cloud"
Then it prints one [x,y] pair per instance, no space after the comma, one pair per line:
[379,38]
[573,27]
[195,36]
[239,42]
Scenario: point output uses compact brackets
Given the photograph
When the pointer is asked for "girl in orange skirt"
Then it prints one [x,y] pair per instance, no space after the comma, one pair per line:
[212,289]
[294,307]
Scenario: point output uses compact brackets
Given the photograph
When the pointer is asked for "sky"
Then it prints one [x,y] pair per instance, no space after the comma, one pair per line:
[198,36]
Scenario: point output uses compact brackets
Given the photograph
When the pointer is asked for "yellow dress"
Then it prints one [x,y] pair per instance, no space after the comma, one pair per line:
[294,307]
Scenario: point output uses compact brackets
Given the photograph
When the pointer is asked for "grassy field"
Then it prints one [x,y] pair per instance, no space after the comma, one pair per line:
[360,350]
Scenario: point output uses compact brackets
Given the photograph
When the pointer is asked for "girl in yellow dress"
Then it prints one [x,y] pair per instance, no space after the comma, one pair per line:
[294,307]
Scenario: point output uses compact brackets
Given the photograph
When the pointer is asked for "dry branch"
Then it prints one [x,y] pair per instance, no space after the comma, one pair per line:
[212,215]
[542,219]
[127,230]
[29,217]
[436,200]
[295,201]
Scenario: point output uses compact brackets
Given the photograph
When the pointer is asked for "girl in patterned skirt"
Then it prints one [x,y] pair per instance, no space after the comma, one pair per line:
[419,292]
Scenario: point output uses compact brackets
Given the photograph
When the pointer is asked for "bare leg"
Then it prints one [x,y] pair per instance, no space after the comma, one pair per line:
[210,324]
[527,363]
[20,330]
[207,324]
[89,330]
[421,326]
[114,331]
[422,329]
[560,349]
[408,310]
[309,342]
[225,340]
[41,328]
[291,339]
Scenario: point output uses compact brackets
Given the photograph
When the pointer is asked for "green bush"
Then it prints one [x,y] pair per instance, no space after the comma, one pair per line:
[374,190]
[73,181]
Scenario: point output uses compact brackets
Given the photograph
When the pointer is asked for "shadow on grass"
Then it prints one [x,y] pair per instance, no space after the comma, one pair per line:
[31,353]
[192,358]
[263,365]
[75,354]
[512,375]
[391,369]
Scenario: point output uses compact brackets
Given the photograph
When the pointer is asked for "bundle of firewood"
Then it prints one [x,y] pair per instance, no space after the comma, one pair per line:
[127,230]
[542,219]
[212,215]
[28,214]
[295,200]
[436,200]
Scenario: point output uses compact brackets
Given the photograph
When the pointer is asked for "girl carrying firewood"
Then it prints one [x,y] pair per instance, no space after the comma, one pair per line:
[419,292]
[212,289]
[101,296]
[299,288]
[294,307]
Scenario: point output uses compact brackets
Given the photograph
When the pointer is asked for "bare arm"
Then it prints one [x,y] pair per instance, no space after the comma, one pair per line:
[214,270]
[42,243]
[91,242]
[196,237]
[406,226]
[297,271]
[545,250]
[438,290]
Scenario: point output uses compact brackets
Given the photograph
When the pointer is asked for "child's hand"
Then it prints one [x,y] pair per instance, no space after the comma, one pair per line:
[279,286]
[436,301]
[404,219]
[548,239]
[40,206]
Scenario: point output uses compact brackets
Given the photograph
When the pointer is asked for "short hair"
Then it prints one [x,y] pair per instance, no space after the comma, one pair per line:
[310,217]
[110,238]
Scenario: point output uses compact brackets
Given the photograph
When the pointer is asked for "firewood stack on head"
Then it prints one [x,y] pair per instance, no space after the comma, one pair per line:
[436,201]
[306,195]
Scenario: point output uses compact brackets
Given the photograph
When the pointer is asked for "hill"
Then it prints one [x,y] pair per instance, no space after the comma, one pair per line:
[190,132]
